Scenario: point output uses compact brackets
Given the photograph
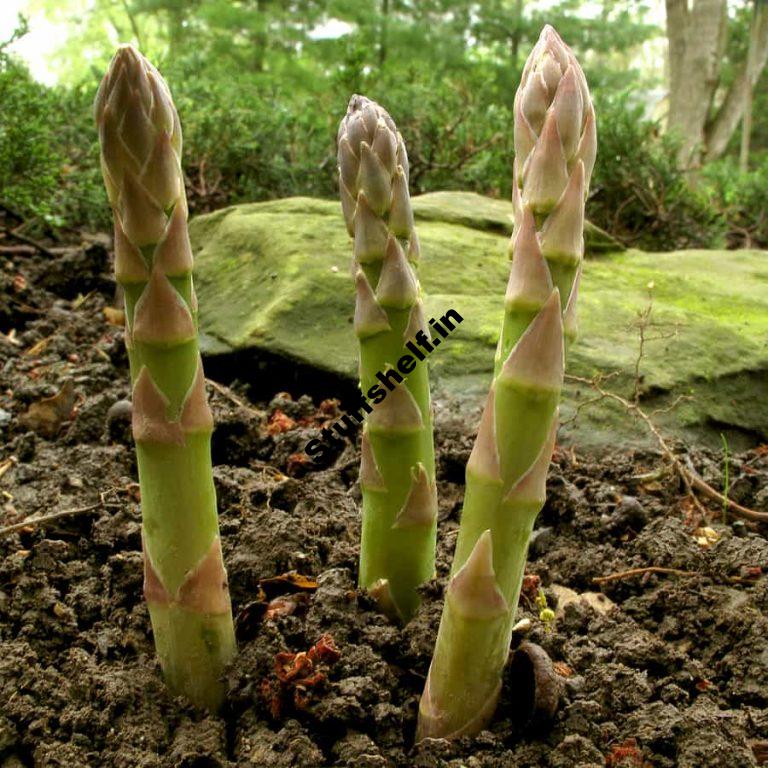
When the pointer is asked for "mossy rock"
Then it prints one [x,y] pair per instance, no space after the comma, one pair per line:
[478,212]
[274,278]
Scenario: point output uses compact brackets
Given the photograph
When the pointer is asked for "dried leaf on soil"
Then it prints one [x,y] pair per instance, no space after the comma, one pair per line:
[47,415]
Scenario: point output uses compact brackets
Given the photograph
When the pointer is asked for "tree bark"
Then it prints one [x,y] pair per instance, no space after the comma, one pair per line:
[696,39]
[384,33]
[697,31]
[724,123]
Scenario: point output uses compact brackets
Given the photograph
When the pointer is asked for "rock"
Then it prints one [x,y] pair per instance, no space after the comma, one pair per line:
[575,750]
[566,596]
[266,284]
[629,514]
[541,540]
[477,212]
[119,422]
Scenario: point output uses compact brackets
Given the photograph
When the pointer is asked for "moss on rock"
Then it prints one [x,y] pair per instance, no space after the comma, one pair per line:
[275,276]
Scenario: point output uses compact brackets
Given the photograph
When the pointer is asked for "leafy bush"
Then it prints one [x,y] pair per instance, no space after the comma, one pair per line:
[258,137]
[638,193]
[49,168]
[248,143]
[265,135]
[741,198]
[30,153]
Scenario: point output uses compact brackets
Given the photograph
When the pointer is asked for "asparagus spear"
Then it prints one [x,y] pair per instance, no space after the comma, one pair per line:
[555,148]
[185,583]
[397,472]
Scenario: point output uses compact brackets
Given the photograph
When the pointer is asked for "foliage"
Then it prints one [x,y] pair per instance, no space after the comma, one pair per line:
[638,192]
[741,198]
[30,155]
[49,167]
[261,88]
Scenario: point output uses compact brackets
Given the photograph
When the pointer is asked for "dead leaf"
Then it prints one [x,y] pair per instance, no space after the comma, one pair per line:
[114,316]
[285,605]
[280,422]
[296,464]
[625,755]
[37,348]
[562,669]
[706,537]
[287,583]
[47,415]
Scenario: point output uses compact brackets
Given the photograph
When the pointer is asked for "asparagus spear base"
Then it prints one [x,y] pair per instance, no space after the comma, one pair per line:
[193,649]
[464,680]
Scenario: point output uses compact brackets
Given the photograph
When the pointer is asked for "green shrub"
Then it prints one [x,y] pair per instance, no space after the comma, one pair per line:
[49,169]
[30,153]
[638,193]
[741,198]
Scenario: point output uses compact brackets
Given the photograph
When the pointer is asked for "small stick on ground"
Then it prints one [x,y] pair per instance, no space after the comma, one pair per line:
[54,516]
[690,478]
[737,509]
[16,235]
[668,571]
[45,519]
[640,572]
[687,473]
[18,249]
[232,397]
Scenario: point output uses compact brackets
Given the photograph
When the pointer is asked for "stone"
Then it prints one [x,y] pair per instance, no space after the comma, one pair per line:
[266,285]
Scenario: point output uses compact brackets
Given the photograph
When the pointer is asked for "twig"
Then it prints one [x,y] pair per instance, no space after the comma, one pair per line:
[30,241]
[636,410]
[232,397]
[45,519]
[6,464]
[691,479]
[28,249]
[641,571]
[737,509]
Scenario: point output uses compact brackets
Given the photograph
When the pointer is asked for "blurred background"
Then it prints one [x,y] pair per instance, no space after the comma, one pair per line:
[261,84]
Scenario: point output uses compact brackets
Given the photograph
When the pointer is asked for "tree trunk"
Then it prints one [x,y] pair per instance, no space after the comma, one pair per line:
[696,39]
[384,33]
[517,32]
[724,124]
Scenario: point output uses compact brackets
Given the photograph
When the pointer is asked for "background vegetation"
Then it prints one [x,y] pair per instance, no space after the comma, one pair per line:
[262,84]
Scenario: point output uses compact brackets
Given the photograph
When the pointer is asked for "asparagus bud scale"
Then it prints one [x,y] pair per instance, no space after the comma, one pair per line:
[185,583]
[397,472]
[555,147]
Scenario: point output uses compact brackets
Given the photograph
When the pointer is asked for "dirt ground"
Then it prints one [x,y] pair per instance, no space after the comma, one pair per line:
[655,669]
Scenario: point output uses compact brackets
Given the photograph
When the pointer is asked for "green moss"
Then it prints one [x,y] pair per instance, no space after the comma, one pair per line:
[275,276]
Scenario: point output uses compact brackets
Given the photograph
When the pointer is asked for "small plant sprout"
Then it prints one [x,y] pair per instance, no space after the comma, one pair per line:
[397,469]
[185,583]
[546,614]
[555,146]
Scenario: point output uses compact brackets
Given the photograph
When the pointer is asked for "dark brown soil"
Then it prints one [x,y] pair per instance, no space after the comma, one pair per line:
[669,670]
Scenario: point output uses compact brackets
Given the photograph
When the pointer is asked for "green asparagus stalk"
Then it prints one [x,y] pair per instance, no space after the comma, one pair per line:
[185,583]
[397,472]
[555,148]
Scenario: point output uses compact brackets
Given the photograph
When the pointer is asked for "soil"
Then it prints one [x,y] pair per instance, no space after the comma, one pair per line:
[655,669]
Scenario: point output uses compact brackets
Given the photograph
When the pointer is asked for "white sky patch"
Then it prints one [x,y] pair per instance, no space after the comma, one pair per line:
[330,30]
[38,45]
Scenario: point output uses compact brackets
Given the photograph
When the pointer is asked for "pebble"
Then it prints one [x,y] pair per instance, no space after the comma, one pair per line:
[630,513]
[739,528]
[541,542]
[119,421]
